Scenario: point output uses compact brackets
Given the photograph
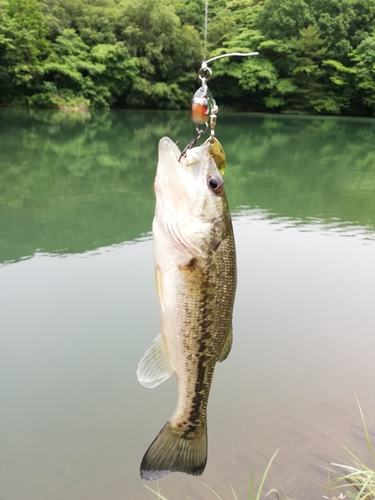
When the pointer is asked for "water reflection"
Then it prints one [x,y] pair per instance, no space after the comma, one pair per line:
[334,226]
[72,183]
[305,167]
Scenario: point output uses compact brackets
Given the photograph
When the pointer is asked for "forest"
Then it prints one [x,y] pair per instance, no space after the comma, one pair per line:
[315,56]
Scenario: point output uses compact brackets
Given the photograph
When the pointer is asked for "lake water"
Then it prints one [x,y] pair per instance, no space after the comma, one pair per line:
[78,306]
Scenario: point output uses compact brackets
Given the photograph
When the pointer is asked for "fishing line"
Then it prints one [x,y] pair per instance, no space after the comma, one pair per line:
[205,30]
[203,106]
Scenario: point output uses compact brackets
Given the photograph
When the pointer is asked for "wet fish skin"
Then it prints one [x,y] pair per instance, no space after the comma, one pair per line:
[196,280]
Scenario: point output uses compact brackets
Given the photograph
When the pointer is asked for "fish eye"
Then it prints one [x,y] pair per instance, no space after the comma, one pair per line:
[215,183]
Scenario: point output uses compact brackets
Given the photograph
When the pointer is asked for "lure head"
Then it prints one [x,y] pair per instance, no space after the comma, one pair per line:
[200,108]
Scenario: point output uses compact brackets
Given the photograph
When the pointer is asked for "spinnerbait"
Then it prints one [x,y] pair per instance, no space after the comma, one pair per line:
[204,112]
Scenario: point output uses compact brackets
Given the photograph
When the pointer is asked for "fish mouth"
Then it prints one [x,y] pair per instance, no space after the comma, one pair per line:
[192,158]
[179,176]
[167,145]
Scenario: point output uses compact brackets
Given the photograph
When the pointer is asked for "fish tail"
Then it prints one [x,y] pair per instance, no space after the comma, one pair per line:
[175,451]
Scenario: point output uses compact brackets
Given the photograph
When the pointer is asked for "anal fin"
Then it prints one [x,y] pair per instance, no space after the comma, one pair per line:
[154,367]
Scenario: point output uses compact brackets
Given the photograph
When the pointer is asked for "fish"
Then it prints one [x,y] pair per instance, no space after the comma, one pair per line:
[195,271]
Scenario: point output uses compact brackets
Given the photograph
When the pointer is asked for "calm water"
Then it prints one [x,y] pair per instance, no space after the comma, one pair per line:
[78,304]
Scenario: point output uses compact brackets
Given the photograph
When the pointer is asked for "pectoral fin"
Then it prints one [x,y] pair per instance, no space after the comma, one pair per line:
[227,346]
[154,367]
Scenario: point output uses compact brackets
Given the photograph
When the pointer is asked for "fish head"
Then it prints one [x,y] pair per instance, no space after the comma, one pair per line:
[191,185]
[190,198]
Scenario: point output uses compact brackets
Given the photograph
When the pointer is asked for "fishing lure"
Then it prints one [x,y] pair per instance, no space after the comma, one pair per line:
[204,112]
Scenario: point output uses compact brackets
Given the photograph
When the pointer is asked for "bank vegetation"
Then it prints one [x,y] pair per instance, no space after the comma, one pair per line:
[316,56]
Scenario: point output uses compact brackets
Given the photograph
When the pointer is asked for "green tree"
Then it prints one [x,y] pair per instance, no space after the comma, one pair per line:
[167,51]
[282,19]
[95,76]
[240,83]
[120,70]
[96,21]
[308,72]
[342,84]
[69,72]
[363,23]
[334,18]
[316,56]
[221,29]
[23,46]
[192,12]
[364,60]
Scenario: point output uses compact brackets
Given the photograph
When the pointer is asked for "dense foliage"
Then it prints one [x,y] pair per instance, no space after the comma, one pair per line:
[316,56]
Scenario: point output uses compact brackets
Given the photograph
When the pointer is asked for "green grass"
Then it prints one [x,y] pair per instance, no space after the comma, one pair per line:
[357,479]
[253,495]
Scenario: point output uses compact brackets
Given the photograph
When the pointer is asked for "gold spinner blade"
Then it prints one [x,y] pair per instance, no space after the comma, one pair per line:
[217,152]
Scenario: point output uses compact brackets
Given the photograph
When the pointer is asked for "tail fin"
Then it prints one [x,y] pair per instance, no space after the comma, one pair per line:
[174,451]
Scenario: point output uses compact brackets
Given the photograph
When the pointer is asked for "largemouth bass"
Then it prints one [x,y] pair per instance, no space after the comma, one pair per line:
[196,280]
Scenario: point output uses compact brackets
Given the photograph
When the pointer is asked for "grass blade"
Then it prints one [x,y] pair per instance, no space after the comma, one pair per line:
[234,495]
[358,476]
[265,475]
[213,491]
[160,497]
[366,430]
[251,485]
